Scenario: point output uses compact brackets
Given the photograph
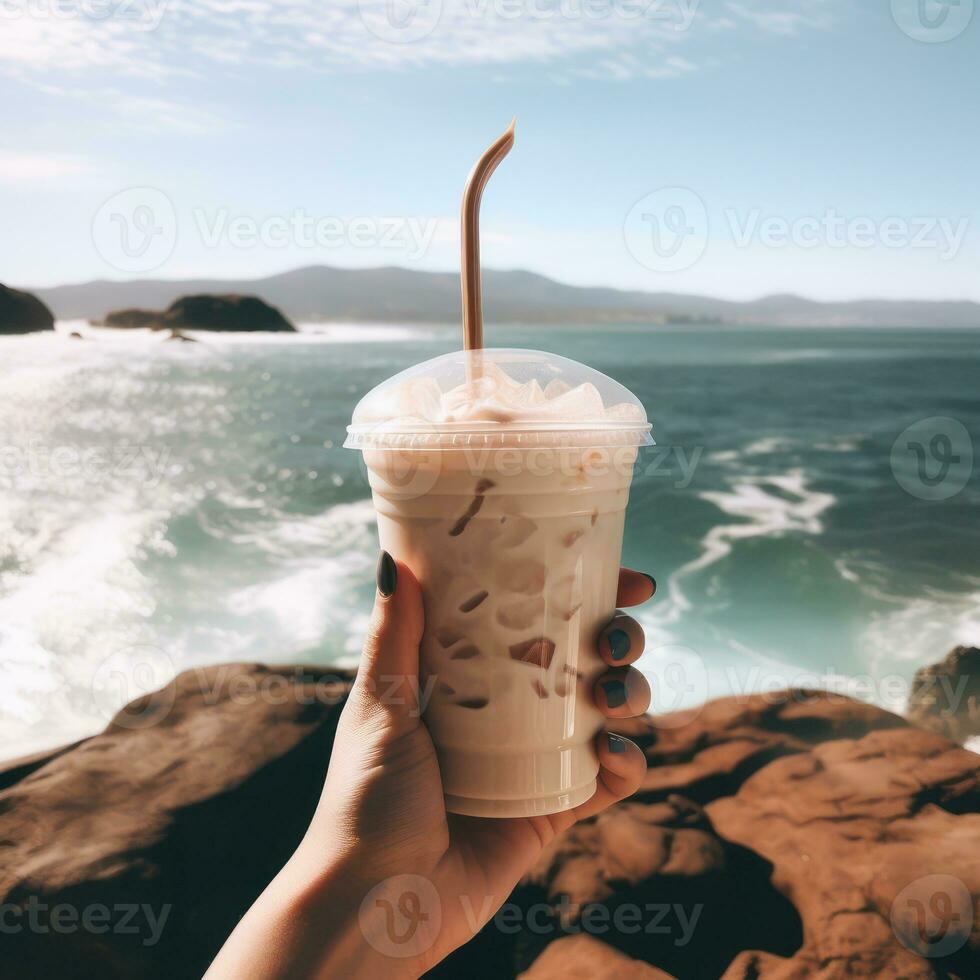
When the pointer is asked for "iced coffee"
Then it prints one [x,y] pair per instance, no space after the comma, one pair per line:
[501,479]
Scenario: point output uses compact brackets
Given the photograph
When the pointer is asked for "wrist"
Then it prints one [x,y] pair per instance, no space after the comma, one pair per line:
[364,926]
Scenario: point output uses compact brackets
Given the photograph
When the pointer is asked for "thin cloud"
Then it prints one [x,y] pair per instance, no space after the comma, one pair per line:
[156,39]
[35,168]
[805,15]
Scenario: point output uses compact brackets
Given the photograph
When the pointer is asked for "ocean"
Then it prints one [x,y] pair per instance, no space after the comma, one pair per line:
[165,505]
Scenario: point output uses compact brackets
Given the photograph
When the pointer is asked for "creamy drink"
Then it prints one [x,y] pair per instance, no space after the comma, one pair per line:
[506,498]
[500,477]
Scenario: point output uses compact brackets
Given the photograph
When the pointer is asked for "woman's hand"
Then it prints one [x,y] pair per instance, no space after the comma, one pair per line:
[385,879]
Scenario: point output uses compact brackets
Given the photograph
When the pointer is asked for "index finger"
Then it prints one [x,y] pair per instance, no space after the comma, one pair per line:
[634,587]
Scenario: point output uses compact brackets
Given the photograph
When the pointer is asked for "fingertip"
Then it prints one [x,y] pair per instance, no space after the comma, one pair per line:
[622,693]
[622,765]
[621,641]
[635,587]
[620,754]
[397,623]
[386,575]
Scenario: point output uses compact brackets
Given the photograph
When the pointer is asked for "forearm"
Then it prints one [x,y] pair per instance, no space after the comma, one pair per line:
[303,929]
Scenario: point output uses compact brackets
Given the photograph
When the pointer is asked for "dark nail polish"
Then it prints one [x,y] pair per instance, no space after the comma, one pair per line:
[619,643]
[387,575]
[653,582]
[615,693]
[617,745]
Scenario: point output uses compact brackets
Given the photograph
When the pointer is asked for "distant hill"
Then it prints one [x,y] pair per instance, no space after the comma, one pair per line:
[395,294]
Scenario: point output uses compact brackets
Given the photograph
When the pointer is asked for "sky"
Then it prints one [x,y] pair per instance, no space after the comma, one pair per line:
[734,148]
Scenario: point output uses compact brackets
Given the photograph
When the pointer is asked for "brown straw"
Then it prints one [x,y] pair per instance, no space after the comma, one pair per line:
[470,237]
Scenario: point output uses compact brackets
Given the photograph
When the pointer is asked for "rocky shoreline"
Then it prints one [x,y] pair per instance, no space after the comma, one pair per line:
[788,835]
[22,312]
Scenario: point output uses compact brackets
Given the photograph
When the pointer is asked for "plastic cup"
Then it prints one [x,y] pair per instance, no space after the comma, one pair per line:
[501,478]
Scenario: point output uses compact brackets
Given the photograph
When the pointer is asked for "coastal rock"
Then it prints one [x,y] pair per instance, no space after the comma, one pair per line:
[584,958]
[945,697]
[134,320]
[786,835]
[229,313]
[22,313]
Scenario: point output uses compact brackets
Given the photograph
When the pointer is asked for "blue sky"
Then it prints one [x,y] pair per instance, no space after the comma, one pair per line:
[825,147]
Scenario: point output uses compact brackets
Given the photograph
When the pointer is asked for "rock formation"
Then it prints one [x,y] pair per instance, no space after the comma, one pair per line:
[22,312]
[229,313]
[945,697]
[785,836]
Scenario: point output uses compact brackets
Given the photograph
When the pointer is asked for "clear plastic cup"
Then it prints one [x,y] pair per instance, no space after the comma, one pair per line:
[501,478]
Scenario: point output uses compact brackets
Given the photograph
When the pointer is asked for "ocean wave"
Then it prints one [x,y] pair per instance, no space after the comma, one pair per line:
[918,628]
[312,332]
[363,333]
[794,509]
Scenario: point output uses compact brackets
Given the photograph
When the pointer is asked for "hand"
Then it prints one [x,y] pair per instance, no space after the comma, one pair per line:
[382,815]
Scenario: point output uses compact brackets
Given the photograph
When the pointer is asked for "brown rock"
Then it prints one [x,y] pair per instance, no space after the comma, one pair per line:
[783,836]
[584,958]
[945,697]
[849,826]
[191,815]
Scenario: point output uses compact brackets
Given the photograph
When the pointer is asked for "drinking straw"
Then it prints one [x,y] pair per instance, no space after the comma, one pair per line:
[470,237]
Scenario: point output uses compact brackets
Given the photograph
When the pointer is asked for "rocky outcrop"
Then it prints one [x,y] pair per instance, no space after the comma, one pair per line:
[134,320]
[230,313]
[584,958]
[775,836]
[22,313]
[945,697]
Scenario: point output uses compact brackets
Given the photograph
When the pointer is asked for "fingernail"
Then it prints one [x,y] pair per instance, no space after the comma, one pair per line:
[615,692]
[619,643]
[653,582]
[387,575]
[617,745]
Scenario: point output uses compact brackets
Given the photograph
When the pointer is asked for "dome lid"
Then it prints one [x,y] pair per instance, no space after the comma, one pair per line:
[500,398]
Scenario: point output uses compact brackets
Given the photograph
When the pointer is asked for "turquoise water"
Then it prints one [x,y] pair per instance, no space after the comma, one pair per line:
[164,505]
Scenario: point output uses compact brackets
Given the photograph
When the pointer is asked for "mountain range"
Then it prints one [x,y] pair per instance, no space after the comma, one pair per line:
[393,294]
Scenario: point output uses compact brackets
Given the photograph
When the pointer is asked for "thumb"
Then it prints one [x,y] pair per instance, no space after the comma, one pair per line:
[389,668]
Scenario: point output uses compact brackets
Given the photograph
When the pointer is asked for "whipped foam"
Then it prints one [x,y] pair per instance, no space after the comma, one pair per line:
[493,396]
